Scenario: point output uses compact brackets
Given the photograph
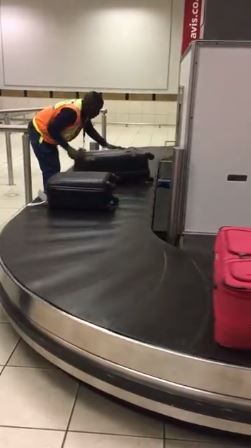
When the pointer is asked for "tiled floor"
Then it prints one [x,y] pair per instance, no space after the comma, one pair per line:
[42,407]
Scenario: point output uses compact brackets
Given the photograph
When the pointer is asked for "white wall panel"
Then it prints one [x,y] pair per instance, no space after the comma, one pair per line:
[220,140]
[1,55]
[185,80]
[175,41]
[109,45]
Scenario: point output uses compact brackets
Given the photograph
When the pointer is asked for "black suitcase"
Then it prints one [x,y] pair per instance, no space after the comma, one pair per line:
[128,165]
[82,191]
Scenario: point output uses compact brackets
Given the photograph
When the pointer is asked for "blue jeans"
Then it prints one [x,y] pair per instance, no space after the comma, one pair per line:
[46,154]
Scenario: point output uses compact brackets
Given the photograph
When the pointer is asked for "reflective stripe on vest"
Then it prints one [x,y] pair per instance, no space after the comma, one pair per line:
[43,118]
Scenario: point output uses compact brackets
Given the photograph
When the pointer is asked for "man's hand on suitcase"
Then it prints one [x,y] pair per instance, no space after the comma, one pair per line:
[75,153]
[109,146]
[81,153]
[72,152]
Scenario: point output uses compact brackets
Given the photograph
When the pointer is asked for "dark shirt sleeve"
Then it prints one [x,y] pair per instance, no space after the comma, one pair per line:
[91,131]
[66,117]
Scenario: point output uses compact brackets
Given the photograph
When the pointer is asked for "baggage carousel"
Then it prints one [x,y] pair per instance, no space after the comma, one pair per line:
[106,300]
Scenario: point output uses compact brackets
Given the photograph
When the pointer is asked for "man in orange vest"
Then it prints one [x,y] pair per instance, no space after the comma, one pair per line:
[58,125]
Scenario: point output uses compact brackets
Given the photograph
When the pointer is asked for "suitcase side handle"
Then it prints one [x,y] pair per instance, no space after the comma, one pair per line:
[133,152]
[149,155]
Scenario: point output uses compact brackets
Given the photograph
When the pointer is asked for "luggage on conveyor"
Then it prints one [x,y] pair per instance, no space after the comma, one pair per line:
[129,165]
[82,191]
[232,287]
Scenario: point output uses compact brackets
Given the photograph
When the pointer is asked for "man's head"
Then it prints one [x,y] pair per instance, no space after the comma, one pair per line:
[92,104]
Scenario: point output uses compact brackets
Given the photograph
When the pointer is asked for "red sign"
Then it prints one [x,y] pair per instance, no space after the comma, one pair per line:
[192,22]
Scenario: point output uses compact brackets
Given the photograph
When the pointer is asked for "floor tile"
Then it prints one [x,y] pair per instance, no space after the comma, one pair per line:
[37,398]
[11,197]
[96,413]
[80,440]
[3,316]
[24,356]
[8,341]
[30,438]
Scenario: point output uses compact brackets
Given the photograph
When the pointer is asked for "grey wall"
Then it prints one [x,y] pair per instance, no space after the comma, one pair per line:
[227,20]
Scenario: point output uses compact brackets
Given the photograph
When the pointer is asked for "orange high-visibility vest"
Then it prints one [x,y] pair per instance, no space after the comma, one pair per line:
[44,117]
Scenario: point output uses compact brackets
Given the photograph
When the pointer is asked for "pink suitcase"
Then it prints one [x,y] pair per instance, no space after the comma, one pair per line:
[232,287]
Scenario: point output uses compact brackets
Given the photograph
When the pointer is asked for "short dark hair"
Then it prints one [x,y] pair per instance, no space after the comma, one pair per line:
[94,99]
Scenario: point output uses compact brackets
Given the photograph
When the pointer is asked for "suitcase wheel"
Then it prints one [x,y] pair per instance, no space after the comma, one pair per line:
[113,203]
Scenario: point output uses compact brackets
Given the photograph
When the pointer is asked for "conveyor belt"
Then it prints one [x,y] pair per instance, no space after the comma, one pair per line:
[104,287]
[110,270]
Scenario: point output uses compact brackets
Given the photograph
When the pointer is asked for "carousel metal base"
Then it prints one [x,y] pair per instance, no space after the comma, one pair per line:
[107,301]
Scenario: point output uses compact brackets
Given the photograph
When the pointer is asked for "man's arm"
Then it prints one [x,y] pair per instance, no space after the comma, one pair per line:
[66,117]
[91,131]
